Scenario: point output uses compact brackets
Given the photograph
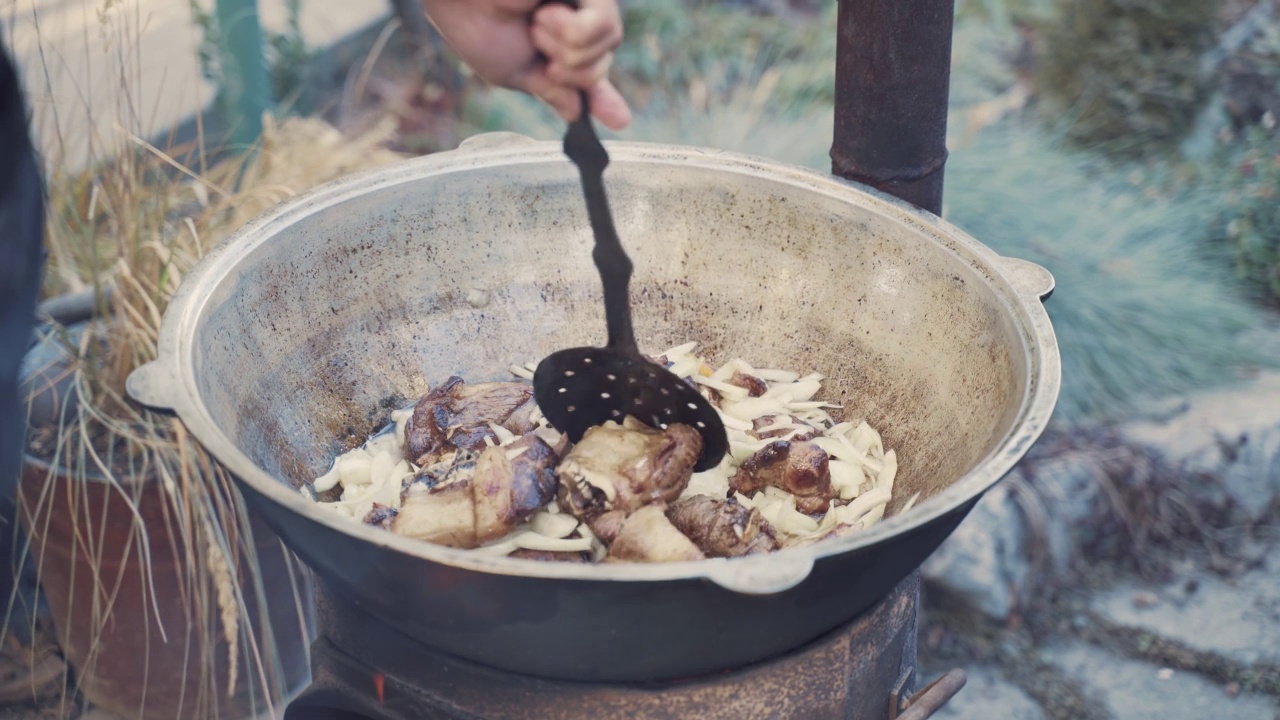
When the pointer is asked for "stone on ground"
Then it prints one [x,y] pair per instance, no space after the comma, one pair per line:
[1232,435]
[1237,618]
[986,695]
[1136,690]
[984,561]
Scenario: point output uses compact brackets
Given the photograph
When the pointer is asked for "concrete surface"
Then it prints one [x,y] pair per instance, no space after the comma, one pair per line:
[1137,690]
[987,695]
[98,69]
[1237,618]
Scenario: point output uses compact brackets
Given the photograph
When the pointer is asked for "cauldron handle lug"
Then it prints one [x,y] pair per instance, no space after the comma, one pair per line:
[760,575]
[1029,278]
[152,385]
[494,141]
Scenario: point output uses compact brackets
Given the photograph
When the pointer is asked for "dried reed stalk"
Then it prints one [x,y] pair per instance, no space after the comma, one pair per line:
[130,228]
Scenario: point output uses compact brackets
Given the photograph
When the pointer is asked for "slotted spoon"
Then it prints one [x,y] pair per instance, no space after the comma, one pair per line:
[578,388]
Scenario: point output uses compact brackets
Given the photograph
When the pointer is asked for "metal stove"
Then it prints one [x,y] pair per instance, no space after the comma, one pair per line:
[866,670]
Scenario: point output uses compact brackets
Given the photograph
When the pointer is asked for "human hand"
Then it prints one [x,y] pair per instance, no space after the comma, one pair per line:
[550,51]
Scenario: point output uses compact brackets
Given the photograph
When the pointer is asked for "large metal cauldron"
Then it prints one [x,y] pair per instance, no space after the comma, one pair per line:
[290,342]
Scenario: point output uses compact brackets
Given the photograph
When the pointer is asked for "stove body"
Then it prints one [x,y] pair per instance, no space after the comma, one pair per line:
[364,670]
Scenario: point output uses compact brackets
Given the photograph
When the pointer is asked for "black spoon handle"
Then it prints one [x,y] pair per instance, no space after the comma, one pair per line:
[584,148]
[586,151]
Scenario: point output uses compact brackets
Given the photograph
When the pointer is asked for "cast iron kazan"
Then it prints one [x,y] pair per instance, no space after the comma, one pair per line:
[290,341]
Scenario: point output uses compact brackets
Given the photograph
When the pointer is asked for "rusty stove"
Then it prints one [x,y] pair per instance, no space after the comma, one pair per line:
[866,670]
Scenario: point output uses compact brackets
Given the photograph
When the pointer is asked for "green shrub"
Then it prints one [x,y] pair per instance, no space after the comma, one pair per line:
[1123,76]
[1247,185]
[672,45]
[1141,310]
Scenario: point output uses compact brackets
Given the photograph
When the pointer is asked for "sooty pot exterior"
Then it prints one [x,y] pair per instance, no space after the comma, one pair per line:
[292,340]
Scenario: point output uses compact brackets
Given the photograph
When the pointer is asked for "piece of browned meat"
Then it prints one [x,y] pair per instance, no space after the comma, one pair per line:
[626,467]
[444,515]
[722,528]
[471,439]
[474,500]
[510,484]
[607,525]
[548,556]
[801,468]
[461,465]
[381,516]
[455,415]
[759,424]
[755,386]
[648,536]
[521,420]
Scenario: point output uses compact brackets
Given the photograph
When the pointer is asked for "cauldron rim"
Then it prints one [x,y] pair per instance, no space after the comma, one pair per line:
[169,382]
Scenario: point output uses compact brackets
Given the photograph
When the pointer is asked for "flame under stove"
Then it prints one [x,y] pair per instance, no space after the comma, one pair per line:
[866,670]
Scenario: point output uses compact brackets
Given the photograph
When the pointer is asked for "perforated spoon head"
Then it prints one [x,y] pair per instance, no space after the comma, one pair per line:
[578,388]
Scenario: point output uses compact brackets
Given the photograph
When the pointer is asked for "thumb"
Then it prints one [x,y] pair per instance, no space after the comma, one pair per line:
[608,105]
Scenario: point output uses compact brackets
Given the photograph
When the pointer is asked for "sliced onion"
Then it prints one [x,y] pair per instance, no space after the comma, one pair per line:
[684,367]
[734,423]
[846,478]
[753,408]
[528,540]
[354,468]
[772,375]
[865,502]
[732,392]
[679,350]
[558,525]
[713,482]
[382,466]
[911,502]
[327,481]
[505,436]
[887,474]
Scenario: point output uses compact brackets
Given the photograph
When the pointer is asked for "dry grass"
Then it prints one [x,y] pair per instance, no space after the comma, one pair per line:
[128,230]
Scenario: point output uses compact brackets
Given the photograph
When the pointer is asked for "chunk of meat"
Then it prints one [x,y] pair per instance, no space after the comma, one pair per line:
[424,432]
[626,467]
[381,516]
[607,526]
[472,439]
[755,386]
[460,465]
[581,499]
[442,515]
[558,441]
[522,420]
[801,468]
[488,402]
[466,501]
[648,536]
[455,415]
[722,528]
[759,428]
[510,484]
[548,556]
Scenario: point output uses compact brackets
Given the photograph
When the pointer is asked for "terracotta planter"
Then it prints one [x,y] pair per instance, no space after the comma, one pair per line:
[88,556]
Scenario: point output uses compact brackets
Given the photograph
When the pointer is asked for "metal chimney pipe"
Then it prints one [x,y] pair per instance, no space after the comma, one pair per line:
[893,76]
